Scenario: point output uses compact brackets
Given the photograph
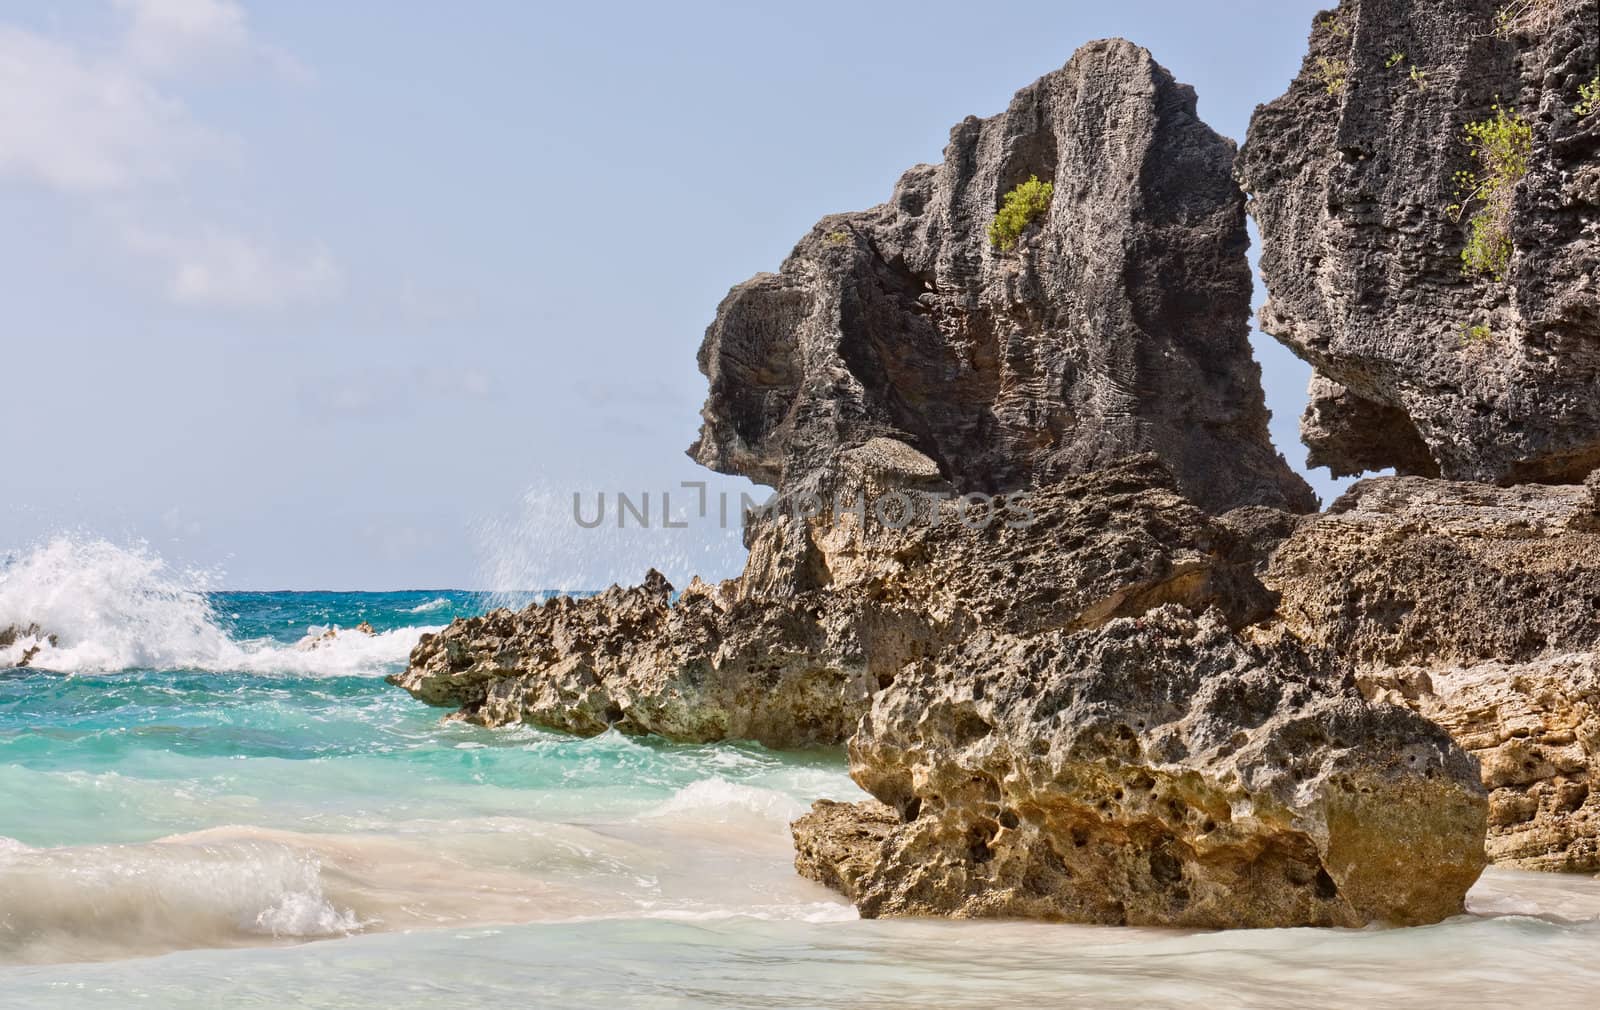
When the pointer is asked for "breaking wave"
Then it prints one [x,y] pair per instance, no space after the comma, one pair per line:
[81,605]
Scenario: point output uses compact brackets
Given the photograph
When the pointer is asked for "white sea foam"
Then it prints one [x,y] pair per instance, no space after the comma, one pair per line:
[432,606]
[720,800]
[102,608]
[113,900]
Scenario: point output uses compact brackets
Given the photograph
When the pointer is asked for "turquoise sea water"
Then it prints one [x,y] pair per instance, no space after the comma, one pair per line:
[206,802]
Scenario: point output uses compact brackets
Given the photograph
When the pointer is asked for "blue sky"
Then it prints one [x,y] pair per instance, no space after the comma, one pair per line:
[353,295]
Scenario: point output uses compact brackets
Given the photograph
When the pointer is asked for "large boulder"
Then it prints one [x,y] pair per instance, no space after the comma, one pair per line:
[1157,771]
[1480,608]
[1421,364]
[1118,324]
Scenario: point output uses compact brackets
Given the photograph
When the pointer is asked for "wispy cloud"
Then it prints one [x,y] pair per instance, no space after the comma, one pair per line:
[217,268]
[80,126]
[106,124]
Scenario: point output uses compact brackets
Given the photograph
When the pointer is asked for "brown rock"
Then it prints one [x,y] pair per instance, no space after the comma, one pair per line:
[1480,608]
[1156,771]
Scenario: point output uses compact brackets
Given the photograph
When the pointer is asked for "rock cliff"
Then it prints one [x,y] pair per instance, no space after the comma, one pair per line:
[1488,371]
[1142,687]
[1117,325]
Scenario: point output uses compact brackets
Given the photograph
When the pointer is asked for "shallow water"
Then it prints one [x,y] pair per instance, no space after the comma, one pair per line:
[198,809]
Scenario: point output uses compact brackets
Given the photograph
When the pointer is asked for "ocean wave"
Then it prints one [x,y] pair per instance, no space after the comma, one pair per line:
[90,902]
[720,800]
[432,606]
[103,608]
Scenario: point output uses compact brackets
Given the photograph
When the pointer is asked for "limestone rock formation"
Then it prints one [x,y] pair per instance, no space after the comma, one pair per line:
[785,671]
[1117,325]
[1155,771]
[1480,608]
[830,610]
[1421,365]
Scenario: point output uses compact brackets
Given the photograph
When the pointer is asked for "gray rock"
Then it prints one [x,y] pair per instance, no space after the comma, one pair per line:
[1351,187]
[1118,325]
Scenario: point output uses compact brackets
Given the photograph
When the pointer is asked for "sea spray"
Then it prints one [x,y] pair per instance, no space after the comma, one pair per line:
[100,607]
[540,543]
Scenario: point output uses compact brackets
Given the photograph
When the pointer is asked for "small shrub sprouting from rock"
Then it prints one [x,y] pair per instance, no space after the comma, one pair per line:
[1419,76]
[1501,145]
[838,238]
[1589,97]
[1332,73]
[1334,24]
[1020,208]
[1476,335]
[1526,17]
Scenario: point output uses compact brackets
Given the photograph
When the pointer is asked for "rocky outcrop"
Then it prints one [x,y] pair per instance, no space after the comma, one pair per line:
[1419,365]
[33,639]
[1154,771]
[786,671]
[1480,608]
[830,610]
[1117,325]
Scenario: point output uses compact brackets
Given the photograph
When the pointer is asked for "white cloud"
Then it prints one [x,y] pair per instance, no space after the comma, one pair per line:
[174,36]
[167,35]
[218,269]
[71,124]
[96,124]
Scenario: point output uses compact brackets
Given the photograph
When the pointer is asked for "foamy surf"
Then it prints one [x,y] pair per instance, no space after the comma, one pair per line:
[104,608]
[251,886]
[434,605]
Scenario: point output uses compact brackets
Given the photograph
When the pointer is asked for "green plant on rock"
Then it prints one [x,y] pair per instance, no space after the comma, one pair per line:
[1476,335]
[1394,60]
[1419,77]
[1589,97]
[1526,17]
[1332,74]
[1334,24]
[838,238]
[1020,208]
[1502,145]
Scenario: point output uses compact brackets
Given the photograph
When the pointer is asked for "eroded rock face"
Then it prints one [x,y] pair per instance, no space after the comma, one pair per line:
[829,611]
[1480,608]
[1419,366]
[784,671]
[1118,325]
[1152,771]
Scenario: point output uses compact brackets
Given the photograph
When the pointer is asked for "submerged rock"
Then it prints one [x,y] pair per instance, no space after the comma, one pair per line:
[1157,771]
[1117,325]
[1480,608]
[1420,364]
[12,634]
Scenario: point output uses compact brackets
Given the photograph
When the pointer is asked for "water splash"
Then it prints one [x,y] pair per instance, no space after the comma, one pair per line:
[100,607]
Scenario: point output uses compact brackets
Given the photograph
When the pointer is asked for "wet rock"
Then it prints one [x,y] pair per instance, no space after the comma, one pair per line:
[1117,325]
